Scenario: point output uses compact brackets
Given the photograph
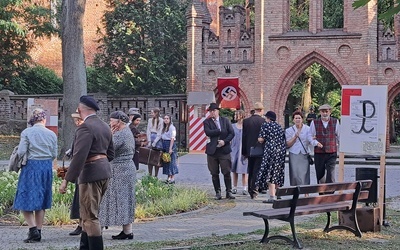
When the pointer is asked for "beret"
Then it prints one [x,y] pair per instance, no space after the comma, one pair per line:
[271,115]
[90,102]
[120,116]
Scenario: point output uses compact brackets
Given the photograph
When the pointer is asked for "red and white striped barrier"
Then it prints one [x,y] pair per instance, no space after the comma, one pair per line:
[197,137]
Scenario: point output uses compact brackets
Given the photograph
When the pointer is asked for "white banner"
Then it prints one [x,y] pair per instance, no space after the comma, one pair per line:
[363,119]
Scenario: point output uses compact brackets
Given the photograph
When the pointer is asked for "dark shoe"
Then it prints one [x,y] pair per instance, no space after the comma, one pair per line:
[253,196]
[33,235]
[84,243]
[269,201]
[96,242]
[171,182]
[77,231]
[218,196]
[229,195]
[234,191]
[122,236]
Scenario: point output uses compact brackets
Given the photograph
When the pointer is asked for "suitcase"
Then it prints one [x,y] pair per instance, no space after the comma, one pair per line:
[150,156]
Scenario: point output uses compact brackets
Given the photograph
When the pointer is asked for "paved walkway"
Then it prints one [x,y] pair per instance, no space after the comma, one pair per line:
[205,222]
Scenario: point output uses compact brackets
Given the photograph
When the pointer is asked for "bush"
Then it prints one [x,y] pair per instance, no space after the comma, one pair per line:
[37,80]
[153,198]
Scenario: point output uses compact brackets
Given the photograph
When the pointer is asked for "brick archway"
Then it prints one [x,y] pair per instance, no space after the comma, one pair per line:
[297,67]
[393,91]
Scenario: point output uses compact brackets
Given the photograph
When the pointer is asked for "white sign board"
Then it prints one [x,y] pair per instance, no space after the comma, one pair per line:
[363,119]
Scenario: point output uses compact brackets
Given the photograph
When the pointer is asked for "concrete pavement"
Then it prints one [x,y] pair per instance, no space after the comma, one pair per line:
[204,222]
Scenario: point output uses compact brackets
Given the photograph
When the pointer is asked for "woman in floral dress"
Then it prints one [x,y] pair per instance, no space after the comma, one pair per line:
[118,205]
[272,172]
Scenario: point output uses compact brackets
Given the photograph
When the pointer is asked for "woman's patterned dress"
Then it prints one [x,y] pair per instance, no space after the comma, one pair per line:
[273,162]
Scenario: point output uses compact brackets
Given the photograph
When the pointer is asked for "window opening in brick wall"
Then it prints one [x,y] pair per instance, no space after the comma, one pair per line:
[333,14]
[299,15]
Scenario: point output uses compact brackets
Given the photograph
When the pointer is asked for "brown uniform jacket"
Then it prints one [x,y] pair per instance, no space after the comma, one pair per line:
[92,138]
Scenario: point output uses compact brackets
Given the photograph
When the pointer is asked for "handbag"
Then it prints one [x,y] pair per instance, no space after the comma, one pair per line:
[309,157]
[166,157]
[257,150]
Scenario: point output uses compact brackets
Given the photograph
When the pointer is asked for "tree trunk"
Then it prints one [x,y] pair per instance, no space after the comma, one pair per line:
[73,62]
[307,95]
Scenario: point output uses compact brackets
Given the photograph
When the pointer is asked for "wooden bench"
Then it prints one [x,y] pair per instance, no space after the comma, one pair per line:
[324,198]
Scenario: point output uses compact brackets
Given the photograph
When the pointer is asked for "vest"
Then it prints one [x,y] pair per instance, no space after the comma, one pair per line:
[326,136]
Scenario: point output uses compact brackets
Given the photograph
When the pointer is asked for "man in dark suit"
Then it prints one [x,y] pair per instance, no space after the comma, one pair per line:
[251,130]
[93,149]
[220,133]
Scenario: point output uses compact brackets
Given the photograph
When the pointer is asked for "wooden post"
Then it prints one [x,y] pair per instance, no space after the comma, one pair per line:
[341,167]
[382,182]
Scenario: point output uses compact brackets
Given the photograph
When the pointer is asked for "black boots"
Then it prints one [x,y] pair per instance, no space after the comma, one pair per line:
[228,185]
[77,231]
[96,243]
[217,188]
[122,236]
[33,235]
[84,243]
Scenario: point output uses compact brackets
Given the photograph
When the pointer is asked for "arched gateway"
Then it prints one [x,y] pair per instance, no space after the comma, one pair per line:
[268,57]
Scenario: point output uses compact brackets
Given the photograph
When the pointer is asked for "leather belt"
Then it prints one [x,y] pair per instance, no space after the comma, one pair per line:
[95,158]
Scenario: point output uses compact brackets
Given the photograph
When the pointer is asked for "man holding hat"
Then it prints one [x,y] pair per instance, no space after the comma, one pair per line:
[251,130]
[325,130]
[93,149]
[220,132]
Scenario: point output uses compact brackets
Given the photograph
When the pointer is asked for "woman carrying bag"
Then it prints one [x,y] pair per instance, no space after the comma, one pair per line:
[298,139]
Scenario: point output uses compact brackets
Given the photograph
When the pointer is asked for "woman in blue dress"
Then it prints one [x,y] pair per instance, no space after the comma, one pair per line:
[34,189]
[239,163]
[272,172]
[168,137]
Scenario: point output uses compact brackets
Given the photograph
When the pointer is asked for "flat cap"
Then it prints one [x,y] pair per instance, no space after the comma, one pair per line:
[133,111]
[90,102]
[325,106]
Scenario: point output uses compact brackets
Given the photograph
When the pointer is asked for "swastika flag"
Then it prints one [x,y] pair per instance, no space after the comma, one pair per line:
[228,92]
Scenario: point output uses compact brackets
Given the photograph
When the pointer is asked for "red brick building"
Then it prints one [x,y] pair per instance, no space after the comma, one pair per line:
[269,58]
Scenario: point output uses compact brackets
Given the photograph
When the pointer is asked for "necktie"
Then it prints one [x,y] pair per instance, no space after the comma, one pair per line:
[217,123]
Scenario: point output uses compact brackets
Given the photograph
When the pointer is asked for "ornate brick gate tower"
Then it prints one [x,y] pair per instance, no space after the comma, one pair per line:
[269,58]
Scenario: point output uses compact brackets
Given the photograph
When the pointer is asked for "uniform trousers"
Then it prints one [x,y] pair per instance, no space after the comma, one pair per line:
[90,195]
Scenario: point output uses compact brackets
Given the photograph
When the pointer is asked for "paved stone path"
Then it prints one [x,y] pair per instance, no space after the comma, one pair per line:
[205,222]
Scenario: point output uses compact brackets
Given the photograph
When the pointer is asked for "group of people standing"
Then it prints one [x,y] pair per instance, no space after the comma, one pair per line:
[229,150]
[104,159]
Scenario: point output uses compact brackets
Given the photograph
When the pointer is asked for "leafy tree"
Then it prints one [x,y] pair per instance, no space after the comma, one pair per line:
[21,22]
[386,9]
[36,80]
[145,46]
[333,14]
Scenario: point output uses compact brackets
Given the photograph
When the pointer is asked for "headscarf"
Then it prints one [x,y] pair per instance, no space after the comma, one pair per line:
[38,115]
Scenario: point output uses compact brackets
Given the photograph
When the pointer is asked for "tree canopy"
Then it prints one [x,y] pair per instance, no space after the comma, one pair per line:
[144,48]
[21,22]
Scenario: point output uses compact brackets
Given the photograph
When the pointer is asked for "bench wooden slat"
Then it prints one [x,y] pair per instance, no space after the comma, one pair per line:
[329,187]
[321,199]
[283,213]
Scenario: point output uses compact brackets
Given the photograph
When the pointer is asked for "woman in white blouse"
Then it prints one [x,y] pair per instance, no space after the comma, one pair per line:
[169,146]
[154,128]
[296,135]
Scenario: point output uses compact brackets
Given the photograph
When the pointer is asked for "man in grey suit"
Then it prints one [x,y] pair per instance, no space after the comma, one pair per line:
[251,130]
[93,149]
[220,132]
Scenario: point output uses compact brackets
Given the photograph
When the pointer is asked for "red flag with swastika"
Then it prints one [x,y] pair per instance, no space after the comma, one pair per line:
[228,92]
